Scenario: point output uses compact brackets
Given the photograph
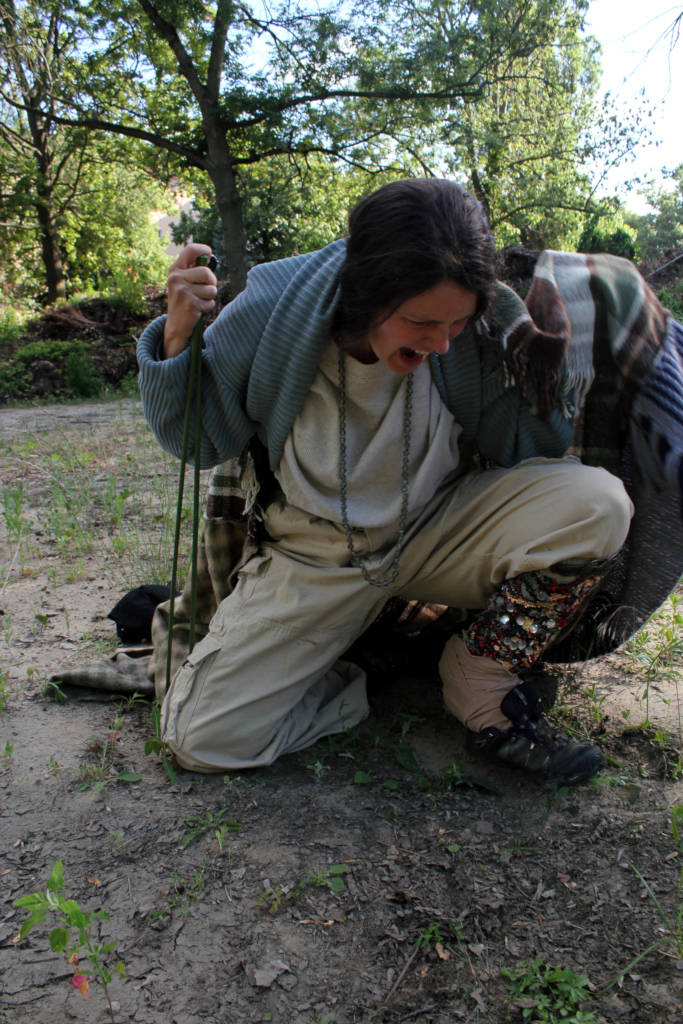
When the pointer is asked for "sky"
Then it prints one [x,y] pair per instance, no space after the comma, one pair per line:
[635,57]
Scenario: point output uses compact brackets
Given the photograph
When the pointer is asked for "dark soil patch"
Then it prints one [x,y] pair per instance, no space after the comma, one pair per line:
[532,875]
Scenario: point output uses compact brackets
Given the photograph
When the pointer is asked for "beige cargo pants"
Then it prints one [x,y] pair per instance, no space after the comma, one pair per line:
[267,679]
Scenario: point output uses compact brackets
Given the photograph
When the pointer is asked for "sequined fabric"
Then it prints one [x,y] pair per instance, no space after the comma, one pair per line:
[526,615]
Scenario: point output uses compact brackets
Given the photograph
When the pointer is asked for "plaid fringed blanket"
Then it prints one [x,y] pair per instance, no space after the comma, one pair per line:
[594,339]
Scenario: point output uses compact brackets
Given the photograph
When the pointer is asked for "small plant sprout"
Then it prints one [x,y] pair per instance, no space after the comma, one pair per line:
[156,745]
[51,691]
[55,770]
[199,824]
[220,834]
[86,948]
[8,759]
[314,765]
[5,689]
[101,773]
[427,935]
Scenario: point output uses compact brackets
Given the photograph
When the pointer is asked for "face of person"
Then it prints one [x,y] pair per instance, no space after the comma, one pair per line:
[422,324]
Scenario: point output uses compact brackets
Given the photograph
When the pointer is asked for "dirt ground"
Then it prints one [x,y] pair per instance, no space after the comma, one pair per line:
[255,931]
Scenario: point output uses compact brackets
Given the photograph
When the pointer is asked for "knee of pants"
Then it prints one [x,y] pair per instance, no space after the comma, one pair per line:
[610,507]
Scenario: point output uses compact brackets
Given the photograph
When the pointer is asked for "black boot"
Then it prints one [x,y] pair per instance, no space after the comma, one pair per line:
[547,755]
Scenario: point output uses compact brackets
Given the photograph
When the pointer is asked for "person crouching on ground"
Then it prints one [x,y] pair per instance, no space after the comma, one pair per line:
[364,368]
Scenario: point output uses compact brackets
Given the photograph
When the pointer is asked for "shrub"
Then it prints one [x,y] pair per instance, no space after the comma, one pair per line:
[671,296]
[81,376]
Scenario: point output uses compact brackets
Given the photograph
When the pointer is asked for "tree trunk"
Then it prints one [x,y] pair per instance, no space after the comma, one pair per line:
[49,241]
[230,210]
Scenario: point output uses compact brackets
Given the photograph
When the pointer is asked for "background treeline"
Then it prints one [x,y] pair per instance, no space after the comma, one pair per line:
[277,117]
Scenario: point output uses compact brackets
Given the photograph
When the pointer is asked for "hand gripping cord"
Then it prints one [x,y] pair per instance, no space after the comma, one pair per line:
[194,393]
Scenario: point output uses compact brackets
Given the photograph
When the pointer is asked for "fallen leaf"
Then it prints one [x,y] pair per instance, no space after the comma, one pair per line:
[443,953]
[424,972]
[73,960]
[563,878]
[263,977]
[476,995]
[476,947]
[93,881]
[80,982]
[548,894]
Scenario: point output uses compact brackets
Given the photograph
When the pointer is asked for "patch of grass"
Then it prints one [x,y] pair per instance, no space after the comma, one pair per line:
[656,651]
[672,938]
[108,497]
[548,995]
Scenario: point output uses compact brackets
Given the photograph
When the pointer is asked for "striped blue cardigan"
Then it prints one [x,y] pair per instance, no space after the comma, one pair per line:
[262,352]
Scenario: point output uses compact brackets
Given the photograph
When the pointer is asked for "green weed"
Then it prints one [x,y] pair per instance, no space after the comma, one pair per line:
[549,995]
[6,691]
[71,916]
[314,765]
[201,823]
[156,745]
[50,691]
[8,759]
[330,879]
[101,773]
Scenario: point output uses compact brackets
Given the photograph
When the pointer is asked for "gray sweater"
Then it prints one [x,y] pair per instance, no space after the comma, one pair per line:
[262,352]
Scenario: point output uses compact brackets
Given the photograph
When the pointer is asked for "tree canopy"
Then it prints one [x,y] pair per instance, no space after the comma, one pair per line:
[224,86]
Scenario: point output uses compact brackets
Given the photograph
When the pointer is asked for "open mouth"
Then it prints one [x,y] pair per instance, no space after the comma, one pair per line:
[410,355]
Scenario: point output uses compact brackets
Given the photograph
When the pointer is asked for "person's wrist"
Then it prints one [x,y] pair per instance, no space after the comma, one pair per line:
[175,341]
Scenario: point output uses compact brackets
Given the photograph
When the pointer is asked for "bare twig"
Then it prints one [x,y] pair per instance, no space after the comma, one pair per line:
[403,973]
[664,266]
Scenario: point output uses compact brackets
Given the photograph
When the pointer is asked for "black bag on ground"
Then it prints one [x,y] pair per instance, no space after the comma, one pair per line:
[134,613]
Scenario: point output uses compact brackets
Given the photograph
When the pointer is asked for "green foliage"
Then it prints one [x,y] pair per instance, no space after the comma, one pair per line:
[289,207]
[549,995]
[81,376]
[109,236]
[661,230]
[621,242]
[73,917]
[53,351]
[671,297]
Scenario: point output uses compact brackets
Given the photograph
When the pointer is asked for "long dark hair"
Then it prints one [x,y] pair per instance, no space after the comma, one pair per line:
[404,239]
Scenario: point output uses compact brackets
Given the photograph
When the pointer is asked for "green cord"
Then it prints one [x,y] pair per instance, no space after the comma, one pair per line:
[196,394]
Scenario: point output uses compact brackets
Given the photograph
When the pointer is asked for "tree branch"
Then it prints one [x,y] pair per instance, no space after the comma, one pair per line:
[194,157]
[221,25]
[185,65]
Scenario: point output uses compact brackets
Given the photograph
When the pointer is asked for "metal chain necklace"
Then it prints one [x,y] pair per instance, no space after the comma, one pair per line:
[358,560]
